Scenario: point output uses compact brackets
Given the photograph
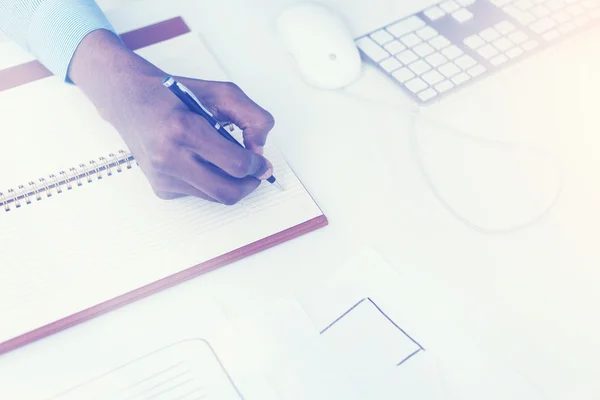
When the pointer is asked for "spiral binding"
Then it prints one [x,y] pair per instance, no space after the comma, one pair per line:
[65,180]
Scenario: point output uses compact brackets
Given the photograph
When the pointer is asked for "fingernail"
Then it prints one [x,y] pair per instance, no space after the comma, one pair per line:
[268,173]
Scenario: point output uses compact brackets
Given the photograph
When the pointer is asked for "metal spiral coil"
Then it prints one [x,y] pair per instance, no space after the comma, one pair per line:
[64,180]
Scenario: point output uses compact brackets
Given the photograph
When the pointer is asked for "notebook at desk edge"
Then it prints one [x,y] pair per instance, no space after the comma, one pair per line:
[21,76]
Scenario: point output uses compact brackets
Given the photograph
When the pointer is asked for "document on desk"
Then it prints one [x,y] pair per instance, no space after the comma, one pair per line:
[81,229]
[315,343]
[190,370]
[303,346]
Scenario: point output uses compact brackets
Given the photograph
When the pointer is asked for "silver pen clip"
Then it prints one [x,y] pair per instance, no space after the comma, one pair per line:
[193,96]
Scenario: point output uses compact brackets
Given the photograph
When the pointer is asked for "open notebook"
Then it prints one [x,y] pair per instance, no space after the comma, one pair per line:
[90,235]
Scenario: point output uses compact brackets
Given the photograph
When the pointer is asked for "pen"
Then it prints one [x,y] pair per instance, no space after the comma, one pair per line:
[191,101]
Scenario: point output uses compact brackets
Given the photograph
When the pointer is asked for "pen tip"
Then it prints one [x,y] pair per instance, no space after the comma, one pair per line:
[278,186]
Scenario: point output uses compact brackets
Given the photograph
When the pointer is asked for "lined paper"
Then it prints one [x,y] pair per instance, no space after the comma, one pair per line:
[82,247]
[189,370]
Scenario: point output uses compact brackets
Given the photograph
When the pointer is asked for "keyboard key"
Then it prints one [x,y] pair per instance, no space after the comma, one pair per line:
[372,50]
[524,4]
[423,49]
[551,35]
[444,86]
[382,36]
[554,4]
[427,33]
[514,52]
[590,4]
[488,51]
[439,42]
[465,61]
[419,67]
[561,17]
[581,20]
[575,10]
[460,78]
[567,27]
[466,3]
[390,64]
[434,13]
[449,6]
[406,57]
[403,74]
[595,14]
[500,3]
[512,11]
[477,70]
[452,52]
[505,27]
[405,26]
[540,11]
[499,59]
[518,37]
[489,34]
[416,85]
[436,59]
[410,40]
[525,17]
[394,47]
[474,41]
[432,77]
[427,94]
[449,70]
[462,15]
[530,45]
[502,44]
[543,25]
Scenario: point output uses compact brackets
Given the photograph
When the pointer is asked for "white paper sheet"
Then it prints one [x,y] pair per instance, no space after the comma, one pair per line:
[283,350]
[189,370]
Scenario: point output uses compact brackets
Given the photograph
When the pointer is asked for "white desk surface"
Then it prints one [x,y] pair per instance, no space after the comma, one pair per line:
[529,297]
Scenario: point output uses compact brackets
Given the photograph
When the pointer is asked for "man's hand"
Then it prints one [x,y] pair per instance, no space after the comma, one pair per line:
[180,153]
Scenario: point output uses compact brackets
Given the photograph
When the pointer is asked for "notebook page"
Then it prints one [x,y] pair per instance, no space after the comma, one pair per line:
[76,249]
[189,370]
[48,126]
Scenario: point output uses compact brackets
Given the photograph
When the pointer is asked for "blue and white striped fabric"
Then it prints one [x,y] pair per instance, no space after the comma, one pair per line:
[51,30]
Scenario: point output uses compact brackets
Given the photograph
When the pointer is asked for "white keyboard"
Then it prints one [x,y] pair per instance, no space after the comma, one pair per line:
[453,43]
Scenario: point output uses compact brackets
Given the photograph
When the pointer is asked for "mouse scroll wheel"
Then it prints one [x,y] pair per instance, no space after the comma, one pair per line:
[332,57]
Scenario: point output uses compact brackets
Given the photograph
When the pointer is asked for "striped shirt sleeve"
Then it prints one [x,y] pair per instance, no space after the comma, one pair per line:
[51,30]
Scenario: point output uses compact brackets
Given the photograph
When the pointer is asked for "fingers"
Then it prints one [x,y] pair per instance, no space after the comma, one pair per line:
[188,157]
[213,182]
[235,160]
[168,188]
[229,103]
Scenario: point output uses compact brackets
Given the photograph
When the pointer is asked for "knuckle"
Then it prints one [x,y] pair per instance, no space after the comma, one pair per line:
[178,129]
[242,165]
[231,88]
[161,160]
[229,196]
[266,121]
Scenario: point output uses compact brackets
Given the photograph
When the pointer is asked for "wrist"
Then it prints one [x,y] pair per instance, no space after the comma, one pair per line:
[110,73]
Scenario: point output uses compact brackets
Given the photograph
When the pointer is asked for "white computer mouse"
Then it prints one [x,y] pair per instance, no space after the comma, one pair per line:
[321,45]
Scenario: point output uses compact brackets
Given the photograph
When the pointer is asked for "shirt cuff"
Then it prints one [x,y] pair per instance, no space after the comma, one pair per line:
[58,27]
